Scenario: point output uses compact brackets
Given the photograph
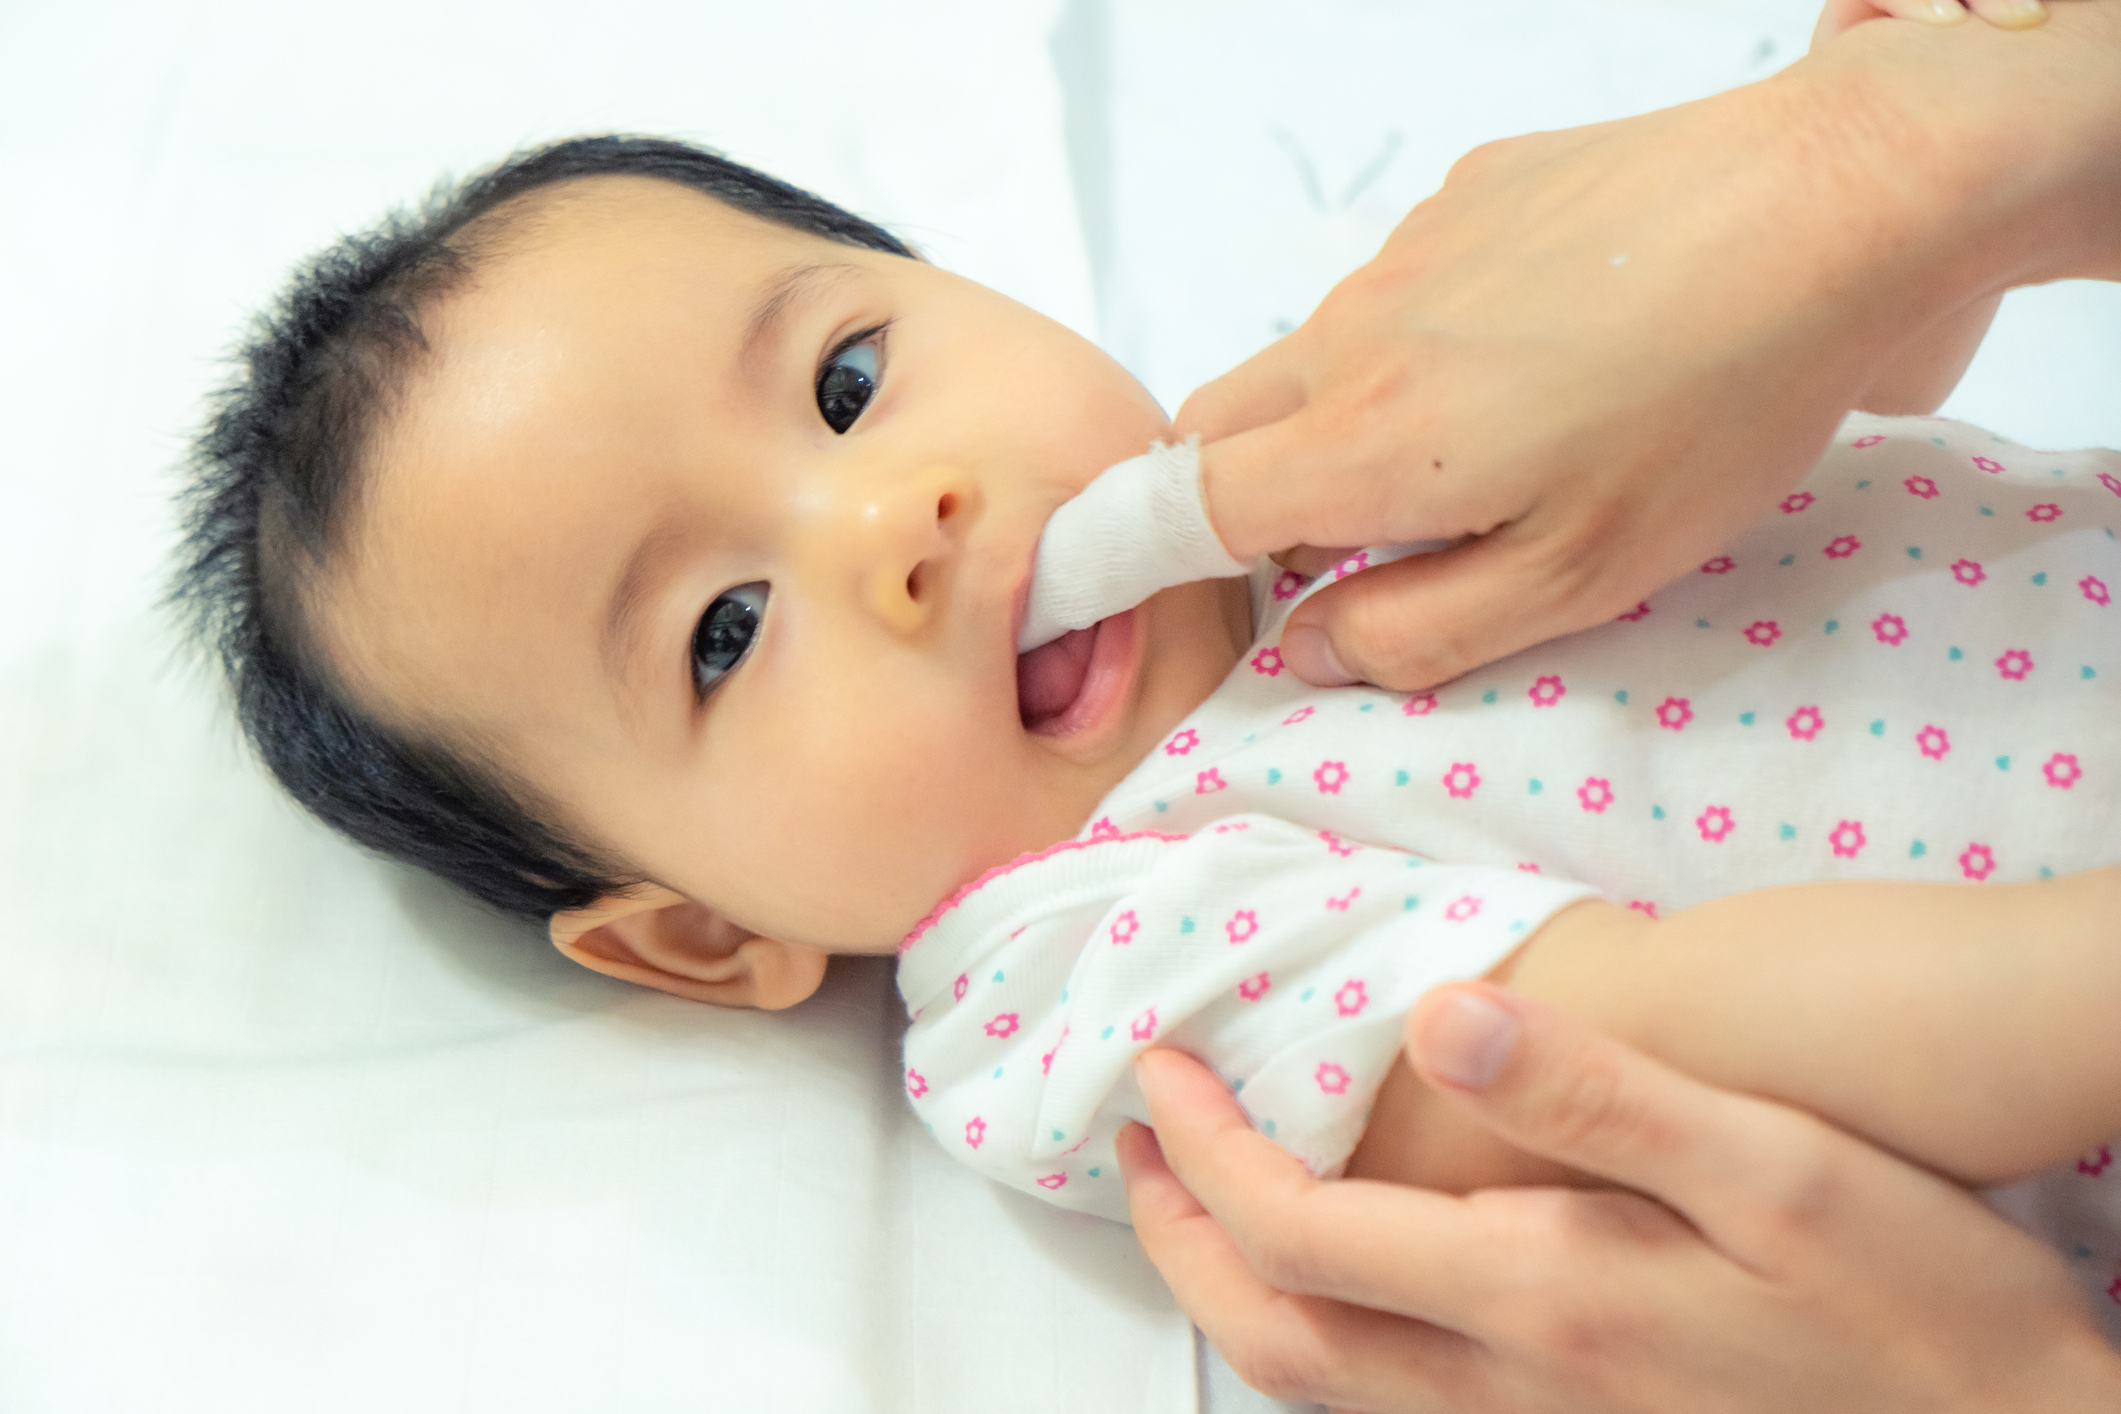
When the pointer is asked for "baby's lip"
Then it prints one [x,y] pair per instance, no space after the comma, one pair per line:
[1022,603]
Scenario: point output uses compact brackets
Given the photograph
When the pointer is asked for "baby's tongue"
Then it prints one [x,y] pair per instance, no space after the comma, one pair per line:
[1049,677]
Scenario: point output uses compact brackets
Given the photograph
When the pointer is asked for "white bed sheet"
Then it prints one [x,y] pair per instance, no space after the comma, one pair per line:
[284,1127]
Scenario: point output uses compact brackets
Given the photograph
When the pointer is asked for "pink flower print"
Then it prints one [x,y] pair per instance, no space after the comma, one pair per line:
[1804,723]
[1988,464]
[1968,572]
[2062,770]
[1331,1078]
[1182,743]
[1637,614]
[1289,585]
[1921,486]
[916,1083]
[975,1131]
[1045,1062]
[1242,925]
[1420,706]
[1462,908]
[1797,501]
[1871,441]
[1143,1026]
[957,988]
[1267,662]
[1360,560]
[1003,1025]
[1298,715]
[1595,794]
[1934,741]
[2096,1161]
[1461,780]
[1722,564]
[2015,664]
[2111,482]
[1341,904]
[1889,629]
[1330,776]
[1546,691]
[1104,829]
[1847,839]
[1208,782]
[1762,632]
[1675,712]
[1336,844]
[1053,1180]
[1254,987]
[1977,862]
[1527,868]
[2045,512]
[1643,906]
[2095,590]
[1715,823]
[1351,998]
[1124,928]
[1842,546]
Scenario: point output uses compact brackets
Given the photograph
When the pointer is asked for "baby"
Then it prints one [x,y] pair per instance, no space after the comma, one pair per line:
[642,545]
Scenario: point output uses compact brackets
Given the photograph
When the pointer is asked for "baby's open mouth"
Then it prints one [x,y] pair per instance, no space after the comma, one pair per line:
[1050,677]
[1078,680]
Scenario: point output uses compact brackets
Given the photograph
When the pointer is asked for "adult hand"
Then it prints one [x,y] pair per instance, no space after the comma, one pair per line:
[1597,354]
[1795,1267]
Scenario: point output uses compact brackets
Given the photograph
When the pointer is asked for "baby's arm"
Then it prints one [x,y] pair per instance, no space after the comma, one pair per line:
[1976,1030]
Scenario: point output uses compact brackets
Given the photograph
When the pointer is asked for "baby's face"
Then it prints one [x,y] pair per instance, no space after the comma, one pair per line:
[753,633]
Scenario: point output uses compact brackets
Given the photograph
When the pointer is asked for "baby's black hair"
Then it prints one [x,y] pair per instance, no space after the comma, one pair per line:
[279,464]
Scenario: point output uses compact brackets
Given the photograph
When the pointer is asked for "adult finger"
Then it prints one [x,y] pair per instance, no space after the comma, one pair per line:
[1733,1165]
[1426,619]
[1421,1254]
[1287,1345]
[1264,388]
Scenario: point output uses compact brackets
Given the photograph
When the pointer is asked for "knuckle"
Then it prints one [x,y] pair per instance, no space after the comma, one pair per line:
[1592,1108]
[1811,1185]
[1282,1366]
[1288,1261]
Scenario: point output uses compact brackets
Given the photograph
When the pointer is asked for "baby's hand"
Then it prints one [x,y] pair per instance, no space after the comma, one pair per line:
[1841,15]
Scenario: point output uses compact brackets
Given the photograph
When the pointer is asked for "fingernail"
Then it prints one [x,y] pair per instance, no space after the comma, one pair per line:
[2017,14]
[1309,654]
[1941,12]
[1466,1039]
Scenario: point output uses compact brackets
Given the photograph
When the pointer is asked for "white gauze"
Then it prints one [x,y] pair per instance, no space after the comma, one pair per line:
[1139,527]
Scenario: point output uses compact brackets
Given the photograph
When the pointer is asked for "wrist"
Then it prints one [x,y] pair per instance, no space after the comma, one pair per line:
[1985,160]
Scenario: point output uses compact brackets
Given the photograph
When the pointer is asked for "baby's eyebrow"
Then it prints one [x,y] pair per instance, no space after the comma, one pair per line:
[782,293]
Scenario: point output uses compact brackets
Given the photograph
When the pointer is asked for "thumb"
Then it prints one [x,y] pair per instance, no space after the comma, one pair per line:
[1557,1088]
[1429,618]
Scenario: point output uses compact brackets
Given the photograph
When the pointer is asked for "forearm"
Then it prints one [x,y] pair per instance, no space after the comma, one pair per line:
[1970,1029]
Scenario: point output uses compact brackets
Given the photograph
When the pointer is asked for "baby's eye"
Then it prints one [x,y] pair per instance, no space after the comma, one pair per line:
[846,384]
[725,633]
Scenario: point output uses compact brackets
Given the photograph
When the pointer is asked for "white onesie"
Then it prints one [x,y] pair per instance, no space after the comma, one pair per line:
[1910,670]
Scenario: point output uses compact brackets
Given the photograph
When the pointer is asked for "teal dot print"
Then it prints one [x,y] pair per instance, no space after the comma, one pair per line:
[1917,850]
[1745,718]
[1788,831]
[1657,812]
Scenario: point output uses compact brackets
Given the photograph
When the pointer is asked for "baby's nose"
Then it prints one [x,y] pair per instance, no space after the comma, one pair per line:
[916,529]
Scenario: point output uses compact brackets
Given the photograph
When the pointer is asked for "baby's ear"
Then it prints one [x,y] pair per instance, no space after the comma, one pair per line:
[662,939]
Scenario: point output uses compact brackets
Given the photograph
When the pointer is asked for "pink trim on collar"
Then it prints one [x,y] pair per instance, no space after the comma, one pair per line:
[1019,862]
